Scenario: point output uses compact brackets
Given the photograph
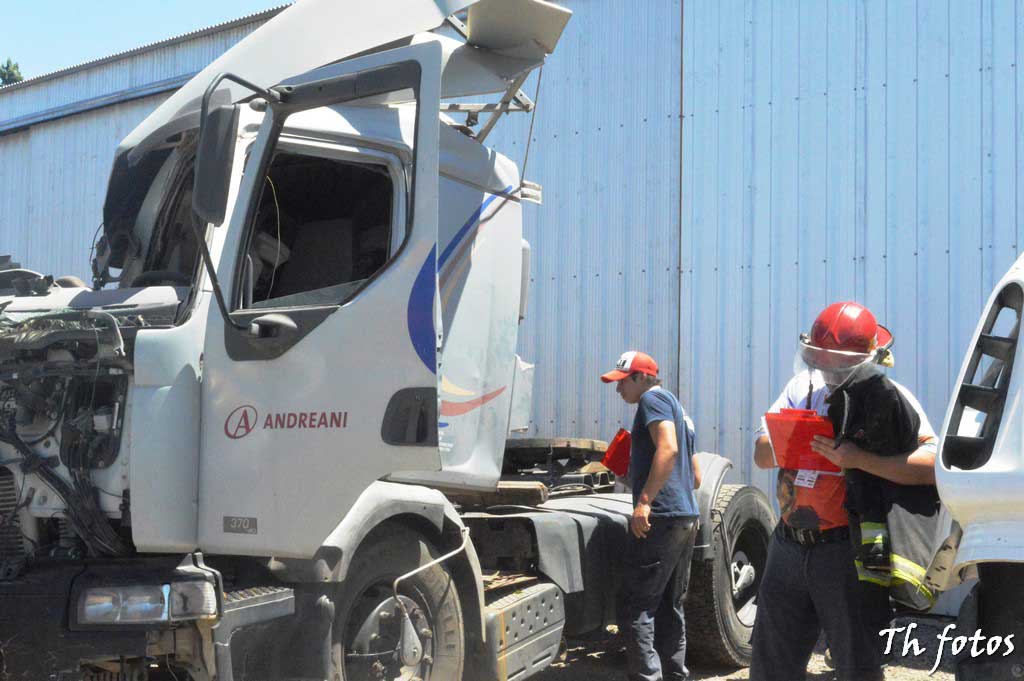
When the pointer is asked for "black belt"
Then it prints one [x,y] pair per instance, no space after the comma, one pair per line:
[811,537]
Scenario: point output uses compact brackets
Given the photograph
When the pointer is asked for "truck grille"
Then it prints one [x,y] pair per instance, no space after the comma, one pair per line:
[11,547]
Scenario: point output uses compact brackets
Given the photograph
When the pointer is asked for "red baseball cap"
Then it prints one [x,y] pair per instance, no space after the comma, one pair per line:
[631,362]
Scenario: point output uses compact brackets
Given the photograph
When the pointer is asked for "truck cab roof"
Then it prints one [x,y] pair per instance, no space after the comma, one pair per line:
[501,42]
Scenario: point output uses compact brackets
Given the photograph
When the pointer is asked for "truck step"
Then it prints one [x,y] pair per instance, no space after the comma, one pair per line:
[981,397]
[268,596]
[246,607]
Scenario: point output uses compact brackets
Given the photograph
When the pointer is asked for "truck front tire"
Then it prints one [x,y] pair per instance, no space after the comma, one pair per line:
[995,607]
[368,621]
[720,600]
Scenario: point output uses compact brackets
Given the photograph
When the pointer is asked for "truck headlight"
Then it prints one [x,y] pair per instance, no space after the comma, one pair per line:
[175,602]
[123,605]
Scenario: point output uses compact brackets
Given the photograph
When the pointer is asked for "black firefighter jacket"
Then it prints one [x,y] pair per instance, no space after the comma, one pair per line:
[892,526]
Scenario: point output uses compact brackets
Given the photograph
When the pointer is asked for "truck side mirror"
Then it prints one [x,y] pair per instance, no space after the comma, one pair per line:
[213,163]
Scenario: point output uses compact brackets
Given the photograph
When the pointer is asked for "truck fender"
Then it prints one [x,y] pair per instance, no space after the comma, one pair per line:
[712,469]
[431,513]
[468,576]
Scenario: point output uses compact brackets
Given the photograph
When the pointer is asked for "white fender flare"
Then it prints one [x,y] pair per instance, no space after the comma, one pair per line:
[383,501]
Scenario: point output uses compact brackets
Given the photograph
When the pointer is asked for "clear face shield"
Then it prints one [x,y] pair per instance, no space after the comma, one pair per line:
[835,367]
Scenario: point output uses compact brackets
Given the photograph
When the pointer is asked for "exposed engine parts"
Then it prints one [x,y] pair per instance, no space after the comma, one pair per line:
[87,420]
[86,334]
[63,382]
[91,427]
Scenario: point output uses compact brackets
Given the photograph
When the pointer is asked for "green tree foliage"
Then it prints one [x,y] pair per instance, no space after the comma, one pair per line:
[10,73]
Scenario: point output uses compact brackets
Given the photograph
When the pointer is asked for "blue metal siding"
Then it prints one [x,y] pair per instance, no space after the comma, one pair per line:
[606,262]
[864,150]
[156,68]
[880,161]
[62,130]
[54,178]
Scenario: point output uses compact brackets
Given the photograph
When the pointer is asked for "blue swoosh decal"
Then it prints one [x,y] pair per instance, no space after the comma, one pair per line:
[420,311]
[473,219]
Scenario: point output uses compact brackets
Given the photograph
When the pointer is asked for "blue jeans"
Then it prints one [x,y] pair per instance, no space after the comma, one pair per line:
[804,590]
[657,569]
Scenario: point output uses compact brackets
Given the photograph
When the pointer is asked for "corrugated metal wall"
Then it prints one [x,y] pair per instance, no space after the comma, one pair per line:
[830,150]
[158,67]
[54,178]
[714,173]
[864,150]
[55,172]
[606,147]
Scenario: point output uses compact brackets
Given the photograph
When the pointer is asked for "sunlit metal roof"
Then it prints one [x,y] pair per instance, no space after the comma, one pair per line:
[250,18]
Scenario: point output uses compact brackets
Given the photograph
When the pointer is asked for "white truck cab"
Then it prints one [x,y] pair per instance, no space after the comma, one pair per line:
[980,474]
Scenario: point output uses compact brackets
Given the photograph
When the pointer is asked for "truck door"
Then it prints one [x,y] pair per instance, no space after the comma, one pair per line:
[324,378]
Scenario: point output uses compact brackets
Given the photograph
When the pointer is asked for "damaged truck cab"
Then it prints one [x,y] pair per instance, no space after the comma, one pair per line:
[272,440]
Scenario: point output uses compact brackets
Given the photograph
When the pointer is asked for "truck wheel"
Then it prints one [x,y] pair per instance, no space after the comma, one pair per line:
[368,621]
[721,597]
[995,607]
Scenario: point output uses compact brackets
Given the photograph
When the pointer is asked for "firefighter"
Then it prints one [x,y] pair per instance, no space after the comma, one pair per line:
[813,581]
[663,473]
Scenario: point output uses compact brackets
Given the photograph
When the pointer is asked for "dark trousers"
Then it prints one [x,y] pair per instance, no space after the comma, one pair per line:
[804,590]
[878,615]
[656,572]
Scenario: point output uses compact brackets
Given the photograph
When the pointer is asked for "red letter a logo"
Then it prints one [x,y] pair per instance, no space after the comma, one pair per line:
[240,422]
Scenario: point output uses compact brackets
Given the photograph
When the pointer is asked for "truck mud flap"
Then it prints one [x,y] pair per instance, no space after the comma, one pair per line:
[247,608]
[579,543]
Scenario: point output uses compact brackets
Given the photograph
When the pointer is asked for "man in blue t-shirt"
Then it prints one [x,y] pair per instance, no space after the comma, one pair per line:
[663,473]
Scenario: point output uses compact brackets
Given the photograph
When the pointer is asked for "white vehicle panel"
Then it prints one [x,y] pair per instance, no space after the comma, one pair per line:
[271,483]
[305,36]
[478,274]
[985,500]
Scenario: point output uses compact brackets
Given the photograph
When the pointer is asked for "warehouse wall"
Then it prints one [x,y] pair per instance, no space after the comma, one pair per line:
[147,70]
[58,134]
[864,149]
[606,148]
[55,177]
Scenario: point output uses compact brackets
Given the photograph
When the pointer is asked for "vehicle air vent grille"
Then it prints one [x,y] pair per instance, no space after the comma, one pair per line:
[11,546]
[161,316]
[978,410]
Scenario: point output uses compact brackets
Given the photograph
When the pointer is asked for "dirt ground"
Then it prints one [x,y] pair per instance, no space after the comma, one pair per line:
[605,661]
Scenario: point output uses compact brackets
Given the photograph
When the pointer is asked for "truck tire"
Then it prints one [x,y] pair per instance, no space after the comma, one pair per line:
[995,606]
[720,618]
[365,639]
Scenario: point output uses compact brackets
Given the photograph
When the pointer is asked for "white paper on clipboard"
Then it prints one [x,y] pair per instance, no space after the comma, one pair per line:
[806,478]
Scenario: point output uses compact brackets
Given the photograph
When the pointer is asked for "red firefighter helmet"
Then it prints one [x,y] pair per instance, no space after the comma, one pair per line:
[843,336]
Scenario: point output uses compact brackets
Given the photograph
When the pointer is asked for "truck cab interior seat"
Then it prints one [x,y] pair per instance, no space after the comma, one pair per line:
[321,256]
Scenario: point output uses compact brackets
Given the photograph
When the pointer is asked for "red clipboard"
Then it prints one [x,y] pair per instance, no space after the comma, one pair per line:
[616,457]
[792,431]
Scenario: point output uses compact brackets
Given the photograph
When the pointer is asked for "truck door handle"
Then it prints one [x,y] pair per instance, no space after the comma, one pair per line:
[274,325]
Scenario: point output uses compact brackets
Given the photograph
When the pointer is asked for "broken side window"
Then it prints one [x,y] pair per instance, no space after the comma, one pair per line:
[322,229]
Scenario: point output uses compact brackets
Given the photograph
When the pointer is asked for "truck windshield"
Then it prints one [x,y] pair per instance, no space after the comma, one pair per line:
[173,247]
[166,251]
